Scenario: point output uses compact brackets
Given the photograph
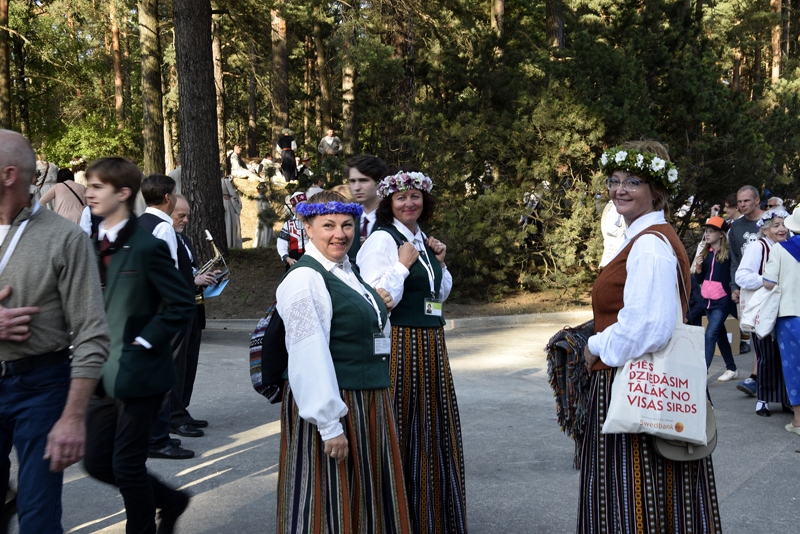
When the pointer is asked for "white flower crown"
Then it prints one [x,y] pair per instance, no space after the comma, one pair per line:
[771,214]
[403,181]
[638,163]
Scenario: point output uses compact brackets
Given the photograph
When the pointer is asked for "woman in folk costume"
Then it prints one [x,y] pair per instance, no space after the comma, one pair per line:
[783,268]
[233,208]
[292,239]
[340,467]
[770,386]
[410,266]
[625,486]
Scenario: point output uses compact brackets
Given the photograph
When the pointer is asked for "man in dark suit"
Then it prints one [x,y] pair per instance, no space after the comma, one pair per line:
[146,303]
[363,174]
[188,354]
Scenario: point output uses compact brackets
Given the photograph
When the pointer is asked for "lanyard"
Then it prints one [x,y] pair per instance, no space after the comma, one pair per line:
[428,268]
[366,294]
[15,239]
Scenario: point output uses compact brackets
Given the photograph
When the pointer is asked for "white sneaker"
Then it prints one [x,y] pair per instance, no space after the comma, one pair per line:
[728,375]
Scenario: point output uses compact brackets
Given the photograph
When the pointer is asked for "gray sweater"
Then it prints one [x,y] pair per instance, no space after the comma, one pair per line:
[741,234]
[54,267]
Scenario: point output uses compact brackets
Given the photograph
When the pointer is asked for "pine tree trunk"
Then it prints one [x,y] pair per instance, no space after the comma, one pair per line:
[280,75]
[22,86]
[775,7]
[349,117]
[737,69]
[169,143]
[555,24]
[200,174]
[5,68]
[322,74]
[498,13]
[152,111]
[252,119]
[116,54]
[219,87]
[307,90]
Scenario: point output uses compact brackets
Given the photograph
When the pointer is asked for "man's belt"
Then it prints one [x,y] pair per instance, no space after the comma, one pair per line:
[287,148]
[18,367]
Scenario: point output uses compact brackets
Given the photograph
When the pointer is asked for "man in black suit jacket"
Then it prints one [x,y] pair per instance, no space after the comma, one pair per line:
[187,359]
[146,303]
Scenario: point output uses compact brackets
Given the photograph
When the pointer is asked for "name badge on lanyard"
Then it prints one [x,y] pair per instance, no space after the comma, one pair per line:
[381,345]
[431,306]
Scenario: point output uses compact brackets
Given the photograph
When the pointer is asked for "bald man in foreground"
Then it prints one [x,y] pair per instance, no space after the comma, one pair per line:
[49,287]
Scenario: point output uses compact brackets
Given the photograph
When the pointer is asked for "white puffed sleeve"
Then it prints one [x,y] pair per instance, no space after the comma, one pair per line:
[650,306]
[379,264]
[305,306]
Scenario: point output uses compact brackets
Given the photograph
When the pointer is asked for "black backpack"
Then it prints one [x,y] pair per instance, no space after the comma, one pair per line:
[268,356]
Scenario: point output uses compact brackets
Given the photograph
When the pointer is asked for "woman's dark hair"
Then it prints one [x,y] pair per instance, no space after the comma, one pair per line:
[384,215]
[64,175]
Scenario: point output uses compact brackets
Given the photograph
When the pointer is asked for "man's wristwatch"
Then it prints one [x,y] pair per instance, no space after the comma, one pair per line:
[284,258]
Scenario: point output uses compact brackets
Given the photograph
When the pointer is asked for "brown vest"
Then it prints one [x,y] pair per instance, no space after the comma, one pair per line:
[609,287]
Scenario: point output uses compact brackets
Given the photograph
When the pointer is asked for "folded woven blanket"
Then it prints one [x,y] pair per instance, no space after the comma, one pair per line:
[570,381]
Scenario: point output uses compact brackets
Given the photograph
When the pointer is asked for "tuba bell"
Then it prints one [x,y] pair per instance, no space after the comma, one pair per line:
[217,263]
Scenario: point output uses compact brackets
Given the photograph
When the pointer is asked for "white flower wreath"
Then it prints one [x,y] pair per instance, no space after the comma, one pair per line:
[639,163]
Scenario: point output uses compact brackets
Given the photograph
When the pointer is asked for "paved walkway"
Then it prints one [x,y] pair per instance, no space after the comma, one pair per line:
[519,465]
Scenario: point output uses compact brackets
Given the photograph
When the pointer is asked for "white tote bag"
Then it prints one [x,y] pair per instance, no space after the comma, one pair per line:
[663,393]
[761,312]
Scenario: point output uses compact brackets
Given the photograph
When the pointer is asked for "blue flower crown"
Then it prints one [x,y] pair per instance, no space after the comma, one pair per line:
[312,210]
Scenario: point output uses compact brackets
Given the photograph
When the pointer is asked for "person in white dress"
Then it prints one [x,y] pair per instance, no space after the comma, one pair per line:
[233,207]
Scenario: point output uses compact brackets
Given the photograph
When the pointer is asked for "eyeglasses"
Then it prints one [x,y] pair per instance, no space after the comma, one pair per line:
[630,185]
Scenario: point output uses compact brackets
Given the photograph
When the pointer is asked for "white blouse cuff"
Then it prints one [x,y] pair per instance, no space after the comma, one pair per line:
[401,270]
[330,430]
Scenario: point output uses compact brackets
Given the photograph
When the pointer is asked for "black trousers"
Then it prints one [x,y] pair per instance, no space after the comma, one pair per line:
[186,367]
[117,440]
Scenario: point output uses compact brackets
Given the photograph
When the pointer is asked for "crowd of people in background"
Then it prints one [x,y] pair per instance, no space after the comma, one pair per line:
[371,432]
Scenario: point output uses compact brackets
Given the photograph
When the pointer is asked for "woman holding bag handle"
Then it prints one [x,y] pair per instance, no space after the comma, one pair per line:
[625,485]
[770,386]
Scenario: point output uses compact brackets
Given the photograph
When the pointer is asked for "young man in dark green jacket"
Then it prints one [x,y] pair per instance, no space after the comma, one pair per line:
[146,304]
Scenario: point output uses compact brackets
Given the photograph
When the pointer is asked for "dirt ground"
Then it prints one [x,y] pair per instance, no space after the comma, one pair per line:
[256,273]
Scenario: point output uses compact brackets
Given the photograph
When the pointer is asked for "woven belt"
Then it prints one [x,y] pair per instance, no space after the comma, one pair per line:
[18,367]
[286,148]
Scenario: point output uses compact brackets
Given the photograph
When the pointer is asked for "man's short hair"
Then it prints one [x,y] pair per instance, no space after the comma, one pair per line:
[370,166]
[155,187]
[730,200]
[16,151]
[756,194]
[118,173]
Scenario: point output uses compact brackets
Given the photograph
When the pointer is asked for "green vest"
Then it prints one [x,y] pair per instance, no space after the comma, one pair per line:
[417,288]
[353,324]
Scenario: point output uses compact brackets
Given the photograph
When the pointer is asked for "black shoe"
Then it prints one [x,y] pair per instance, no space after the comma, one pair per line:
[169,515]
[187,430]
[198,423]
[171,452]
[174,441]
[762,409]
[744,347]
[787,408]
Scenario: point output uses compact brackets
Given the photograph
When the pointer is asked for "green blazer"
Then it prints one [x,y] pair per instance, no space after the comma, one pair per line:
[145,296]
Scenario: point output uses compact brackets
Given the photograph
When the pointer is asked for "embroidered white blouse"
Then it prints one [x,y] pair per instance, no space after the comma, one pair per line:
[306,308]
[379,265]
[747,276]
[647,318]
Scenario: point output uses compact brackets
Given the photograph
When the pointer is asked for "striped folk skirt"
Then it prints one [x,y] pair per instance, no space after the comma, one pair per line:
[788,331]
[365,494]
[626,487]
[429,430]
[770,386]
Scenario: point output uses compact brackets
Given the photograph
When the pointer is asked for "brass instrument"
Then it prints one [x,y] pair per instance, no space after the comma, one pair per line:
[217,263]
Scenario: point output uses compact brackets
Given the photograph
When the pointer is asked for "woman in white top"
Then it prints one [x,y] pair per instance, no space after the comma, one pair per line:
[768,375]
[625,485]
[783,268]
[410,266]
[67,197]
[340,465]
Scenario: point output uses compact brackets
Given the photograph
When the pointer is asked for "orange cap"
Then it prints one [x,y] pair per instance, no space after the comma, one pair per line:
[716,222]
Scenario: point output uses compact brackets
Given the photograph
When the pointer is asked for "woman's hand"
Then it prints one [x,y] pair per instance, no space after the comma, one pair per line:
[589,359]
[387,298]
[407,254]
[439,249]
[698,264]
[336,448]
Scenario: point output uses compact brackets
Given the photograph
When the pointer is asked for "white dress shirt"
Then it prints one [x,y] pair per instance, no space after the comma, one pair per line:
[747,276]
[379,264]
[647,319]
[165,232]
[306,308]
